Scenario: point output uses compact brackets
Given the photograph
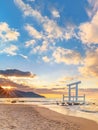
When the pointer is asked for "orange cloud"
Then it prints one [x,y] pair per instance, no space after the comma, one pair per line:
[66,56]
[7,82]
[89,31]
[90,67]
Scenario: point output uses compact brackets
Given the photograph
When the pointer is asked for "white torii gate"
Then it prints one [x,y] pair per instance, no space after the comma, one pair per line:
[73,100]
[76,90]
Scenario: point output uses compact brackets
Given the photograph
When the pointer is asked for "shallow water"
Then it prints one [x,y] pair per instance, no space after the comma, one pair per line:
[74,111]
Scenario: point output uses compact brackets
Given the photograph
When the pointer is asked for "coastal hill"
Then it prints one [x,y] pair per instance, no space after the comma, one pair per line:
[4,93]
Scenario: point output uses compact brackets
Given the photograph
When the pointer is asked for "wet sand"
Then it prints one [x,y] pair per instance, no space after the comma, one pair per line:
[27,117]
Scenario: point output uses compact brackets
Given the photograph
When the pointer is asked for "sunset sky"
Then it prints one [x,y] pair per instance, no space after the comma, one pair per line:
[55,40]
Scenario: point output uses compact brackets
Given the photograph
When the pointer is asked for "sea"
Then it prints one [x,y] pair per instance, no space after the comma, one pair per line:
[89,110]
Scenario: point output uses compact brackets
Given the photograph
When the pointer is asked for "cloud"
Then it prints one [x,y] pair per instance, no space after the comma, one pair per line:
[90,66]
[50,91]
[11,50]
[45,59]
[51,31]
[48,37]
[66,56]
[93,7]
[33,32]
[88,33]
[23,56]
[66,79]
[16,73]
[17,85]
[30,0]
[55,13]
[28,11]
[41,48]
[30,43]
[8,34]
[62,81]
[7,82]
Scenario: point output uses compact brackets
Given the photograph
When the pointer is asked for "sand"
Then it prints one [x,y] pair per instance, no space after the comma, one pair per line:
[26,117]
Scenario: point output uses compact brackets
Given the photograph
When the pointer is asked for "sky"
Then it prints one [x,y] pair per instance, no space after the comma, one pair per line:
[56,40]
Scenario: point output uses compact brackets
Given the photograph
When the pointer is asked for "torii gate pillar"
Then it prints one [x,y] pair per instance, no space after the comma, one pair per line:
[76,90]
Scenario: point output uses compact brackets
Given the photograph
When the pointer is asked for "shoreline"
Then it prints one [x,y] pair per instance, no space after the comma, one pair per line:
[82,123]
[70,111]
[32,117]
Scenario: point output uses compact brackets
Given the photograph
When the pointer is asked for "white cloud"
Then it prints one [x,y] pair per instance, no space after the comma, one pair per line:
[55,13]
[23,56]
[45,59]
[70,32]
[8,34]
[36,49]
[51,30]
[33,32]
[90,66]
[11,50]
[44,47]
[66,56]
[30,0]
[93,7]
[30,43]
[40,48]
[89,31]
[27,10]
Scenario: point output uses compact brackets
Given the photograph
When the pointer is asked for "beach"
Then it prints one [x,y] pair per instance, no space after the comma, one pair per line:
[32,117]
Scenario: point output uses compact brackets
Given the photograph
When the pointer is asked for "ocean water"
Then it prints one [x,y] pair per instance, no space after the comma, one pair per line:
[88,110]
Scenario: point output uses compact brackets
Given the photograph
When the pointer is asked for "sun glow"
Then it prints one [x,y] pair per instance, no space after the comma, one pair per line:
[7,87]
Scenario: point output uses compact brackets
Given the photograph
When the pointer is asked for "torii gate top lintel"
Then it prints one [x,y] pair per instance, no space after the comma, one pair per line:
[75,83]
